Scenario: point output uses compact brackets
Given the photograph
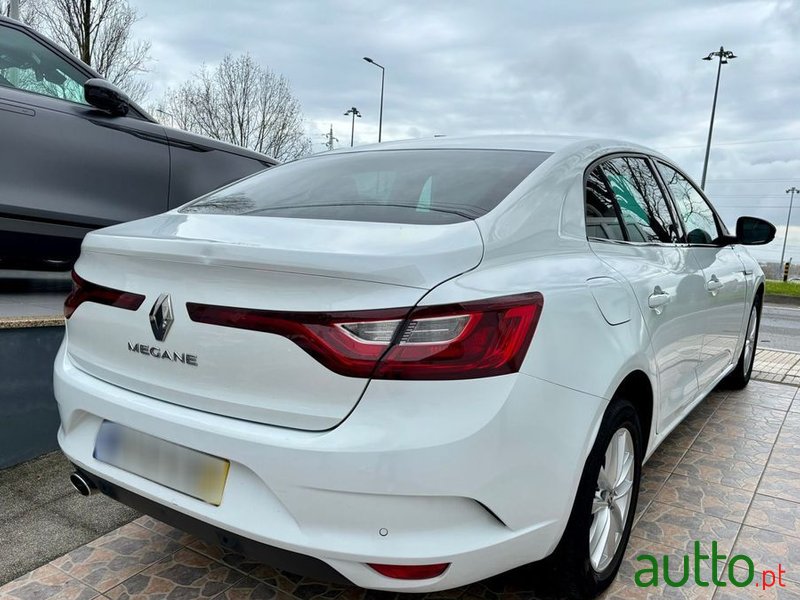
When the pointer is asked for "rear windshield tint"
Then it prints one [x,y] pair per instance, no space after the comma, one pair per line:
[388,186]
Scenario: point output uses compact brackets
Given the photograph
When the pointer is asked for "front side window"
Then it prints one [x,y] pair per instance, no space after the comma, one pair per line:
[387,186]
[645,213]
[694,211]
[27,65]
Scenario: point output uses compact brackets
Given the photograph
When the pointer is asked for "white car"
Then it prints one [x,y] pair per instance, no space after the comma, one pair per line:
[408,366]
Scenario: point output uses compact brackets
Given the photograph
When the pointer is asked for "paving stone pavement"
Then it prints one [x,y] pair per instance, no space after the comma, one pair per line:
[778,366]
[41,516]
[730,473]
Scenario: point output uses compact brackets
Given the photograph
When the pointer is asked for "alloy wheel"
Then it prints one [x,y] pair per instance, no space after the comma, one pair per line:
[612,500]
[750,340]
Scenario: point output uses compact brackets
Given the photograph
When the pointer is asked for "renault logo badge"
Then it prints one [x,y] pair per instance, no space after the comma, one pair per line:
[161,317]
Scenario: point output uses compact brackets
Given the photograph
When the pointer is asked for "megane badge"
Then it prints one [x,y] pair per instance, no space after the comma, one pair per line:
[161,317]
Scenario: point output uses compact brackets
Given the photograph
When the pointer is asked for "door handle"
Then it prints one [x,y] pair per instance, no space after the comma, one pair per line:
[713,285]
[658,299]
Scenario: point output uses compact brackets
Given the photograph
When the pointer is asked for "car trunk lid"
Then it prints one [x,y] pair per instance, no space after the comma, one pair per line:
[264,264]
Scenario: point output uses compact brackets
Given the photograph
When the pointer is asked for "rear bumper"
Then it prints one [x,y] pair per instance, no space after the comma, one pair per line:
[480,474]
[276,557]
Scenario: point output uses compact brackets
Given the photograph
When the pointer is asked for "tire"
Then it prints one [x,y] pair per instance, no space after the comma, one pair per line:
[740,376]
[572,571]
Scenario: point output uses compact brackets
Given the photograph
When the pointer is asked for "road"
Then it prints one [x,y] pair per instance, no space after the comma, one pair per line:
[780,327]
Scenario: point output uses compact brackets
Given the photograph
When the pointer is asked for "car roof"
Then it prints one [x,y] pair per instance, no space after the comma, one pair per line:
[541,143]
[526,142]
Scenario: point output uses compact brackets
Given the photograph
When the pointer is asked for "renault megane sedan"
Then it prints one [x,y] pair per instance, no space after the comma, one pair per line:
[409,366]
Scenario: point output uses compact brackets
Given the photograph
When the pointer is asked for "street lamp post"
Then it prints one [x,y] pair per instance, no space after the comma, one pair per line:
[792,190]
[353,111]
[166,114]
[724,57]
[380,115]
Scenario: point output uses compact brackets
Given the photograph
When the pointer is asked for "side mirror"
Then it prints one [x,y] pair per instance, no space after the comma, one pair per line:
[106,96]
[752,231]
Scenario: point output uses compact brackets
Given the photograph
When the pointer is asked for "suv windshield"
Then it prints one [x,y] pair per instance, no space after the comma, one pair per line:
[389,186]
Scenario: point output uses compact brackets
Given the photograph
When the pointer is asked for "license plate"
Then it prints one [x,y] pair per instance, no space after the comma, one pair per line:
[179,468]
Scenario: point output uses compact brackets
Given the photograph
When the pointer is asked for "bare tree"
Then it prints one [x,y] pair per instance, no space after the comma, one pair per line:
[28,12]
[99,32]
[243,103]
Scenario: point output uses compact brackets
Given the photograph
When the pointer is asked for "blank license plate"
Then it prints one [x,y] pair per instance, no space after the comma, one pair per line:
[179,468]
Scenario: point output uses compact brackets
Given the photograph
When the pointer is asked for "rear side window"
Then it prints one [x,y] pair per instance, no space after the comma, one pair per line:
[389,186]
[694,211]
[642,205]
[602,213]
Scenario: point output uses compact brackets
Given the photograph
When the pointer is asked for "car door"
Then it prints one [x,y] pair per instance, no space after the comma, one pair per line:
[64,163]
[722,316]
[632,229]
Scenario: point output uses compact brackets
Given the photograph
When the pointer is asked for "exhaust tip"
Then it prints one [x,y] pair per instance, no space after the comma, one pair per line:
[83,486]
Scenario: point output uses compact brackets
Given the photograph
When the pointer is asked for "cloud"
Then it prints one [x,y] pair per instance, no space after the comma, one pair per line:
[625,69]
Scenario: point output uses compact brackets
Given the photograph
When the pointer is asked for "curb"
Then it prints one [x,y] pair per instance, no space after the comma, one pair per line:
[786,300]
[766,349]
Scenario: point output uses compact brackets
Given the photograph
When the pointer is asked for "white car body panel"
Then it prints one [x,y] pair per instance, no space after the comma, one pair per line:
[722,321]
[241,271]
[481,473]
[328,494]
[408,255]
[675,333]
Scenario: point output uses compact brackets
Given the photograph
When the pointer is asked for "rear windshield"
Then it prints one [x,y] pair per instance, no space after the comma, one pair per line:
[388,186]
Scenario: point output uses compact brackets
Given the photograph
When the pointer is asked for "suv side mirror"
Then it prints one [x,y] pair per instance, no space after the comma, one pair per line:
[106,96]
[752,231]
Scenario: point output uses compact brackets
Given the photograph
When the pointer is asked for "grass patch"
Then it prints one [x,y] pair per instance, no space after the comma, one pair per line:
[783,288]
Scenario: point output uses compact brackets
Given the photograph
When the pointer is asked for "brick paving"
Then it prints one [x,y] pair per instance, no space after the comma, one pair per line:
[778,366]
[729,473]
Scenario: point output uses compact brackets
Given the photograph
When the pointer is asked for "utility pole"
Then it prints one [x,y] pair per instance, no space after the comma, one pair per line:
[13,10]
[329,139]
[792,190]
[724,57]
[353,111]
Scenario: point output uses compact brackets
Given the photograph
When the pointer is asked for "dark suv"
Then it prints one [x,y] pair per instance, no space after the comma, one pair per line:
[76,154]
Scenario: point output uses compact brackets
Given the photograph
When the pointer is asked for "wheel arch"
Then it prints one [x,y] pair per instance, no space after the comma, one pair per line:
[637,389]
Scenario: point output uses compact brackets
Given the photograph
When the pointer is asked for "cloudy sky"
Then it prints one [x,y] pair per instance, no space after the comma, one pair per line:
[624,68]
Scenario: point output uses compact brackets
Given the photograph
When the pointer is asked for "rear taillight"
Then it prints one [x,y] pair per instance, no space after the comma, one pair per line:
[322,335]
[463,341]
[84,291]
[453,341]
